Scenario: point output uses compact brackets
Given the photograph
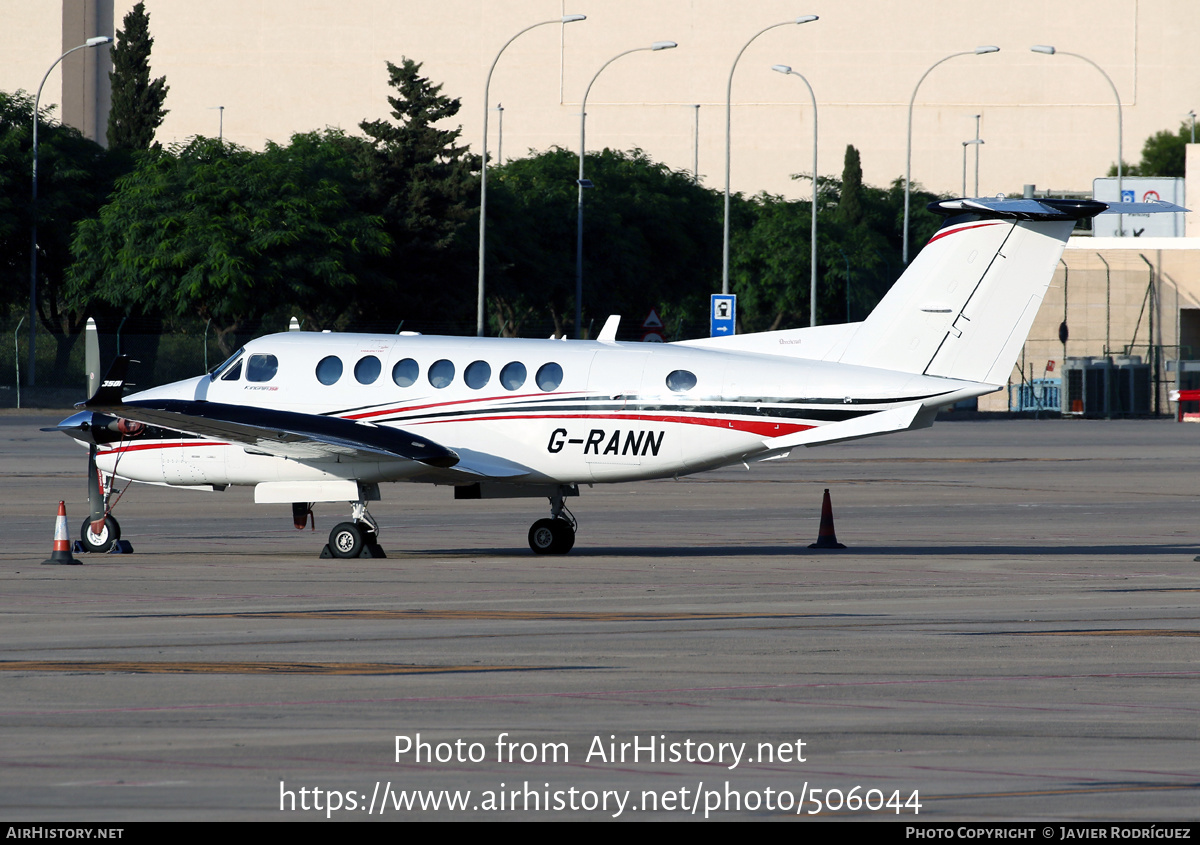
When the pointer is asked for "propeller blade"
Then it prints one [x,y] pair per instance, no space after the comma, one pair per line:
[91,357]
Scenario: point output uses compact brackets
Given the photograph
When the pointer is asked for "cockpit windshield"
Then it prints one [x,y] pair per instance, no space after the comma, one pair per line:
[212,376]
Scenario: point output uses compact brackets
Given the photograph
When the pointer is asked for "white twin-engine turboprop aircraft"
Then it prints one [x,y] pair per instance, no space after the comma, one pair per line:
[313,417]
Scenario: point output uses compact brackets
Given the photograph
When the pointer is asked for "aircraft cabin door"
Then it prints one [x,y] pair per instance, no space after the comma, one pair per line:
[611,448]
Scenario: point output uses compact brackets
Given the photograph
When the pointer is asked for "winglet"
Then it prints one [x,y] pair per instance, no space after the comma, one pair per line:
[111,391]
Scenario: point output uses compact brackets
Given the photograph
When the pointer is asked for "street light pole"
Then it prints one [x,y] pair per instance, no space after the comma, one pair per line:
[479,306]
[1050,51]
[696,144]
[976,142]
[978,51]
[977,117]
[583,183]
[812,285]
[728,112]
[91,42]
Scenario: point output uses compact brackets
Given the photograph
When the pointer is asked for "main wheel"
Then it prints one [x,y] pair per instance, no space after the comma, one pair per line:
[551,537]
[346,540]
[103,540]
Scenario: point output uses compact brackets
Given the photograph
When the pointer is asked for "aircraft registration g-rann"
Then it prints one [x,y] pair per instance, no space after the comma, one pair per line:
[307,417]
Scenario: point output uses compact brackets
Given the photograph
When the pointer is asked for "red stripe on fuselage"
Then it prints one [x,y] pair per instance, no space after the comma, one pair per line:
[406,408]
[173,444]
[762,429]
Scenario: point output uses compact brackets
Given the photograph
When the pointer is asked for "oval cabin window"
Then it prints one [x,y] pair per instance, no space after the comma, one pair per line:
[329,369]
[367,369]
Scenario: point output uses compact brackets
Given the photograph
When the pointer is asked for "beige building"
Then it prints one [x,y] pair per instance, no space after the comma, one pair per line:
[284,66]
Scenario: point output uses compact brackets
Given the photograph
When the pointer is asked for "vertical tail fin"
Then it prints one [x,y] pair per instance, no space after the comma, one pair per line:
[965,305]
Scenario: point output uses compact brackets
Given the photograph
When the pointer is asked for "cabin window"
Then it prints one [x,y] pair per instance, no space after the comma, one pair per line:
[441,373]
[367,369]
[405,372]
[477,374]
[681,380]
[233,373]
[329,369]
[513,375]
[261,367]
[549,376]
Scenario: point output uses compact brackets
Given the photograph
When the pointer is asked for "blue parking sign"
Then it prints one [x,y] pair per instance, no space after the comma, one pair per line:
[723,315]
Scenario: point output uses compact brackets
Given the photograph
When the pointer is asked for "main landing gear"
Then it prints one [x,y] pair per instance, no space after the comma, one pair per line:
[359,538]
[556,535]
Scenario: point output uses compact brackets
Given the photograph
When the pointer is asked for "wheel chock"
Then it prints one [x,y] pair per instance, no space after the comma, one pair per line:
[826,538]
[371,550]
[120,547]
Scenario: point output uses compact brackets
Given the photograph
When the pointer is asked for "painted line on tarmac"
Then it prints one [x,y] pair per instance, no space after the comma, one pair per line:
[245,668]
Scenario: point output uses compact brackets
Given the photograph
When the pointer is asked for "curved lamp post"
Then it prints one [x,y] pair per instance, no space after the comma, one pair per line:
[812,288]
[565,19]
[583,183]
[728,112]
[91,42]
[978,51]
[1050,51]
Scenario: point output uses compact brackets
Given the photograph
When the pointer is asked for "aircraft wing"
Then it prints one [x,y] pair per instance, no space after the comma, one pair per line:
[285,434]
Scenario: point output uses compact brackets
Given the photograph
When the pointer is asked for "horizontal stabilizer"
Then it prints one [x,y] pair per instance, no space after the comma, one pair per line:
[883,422]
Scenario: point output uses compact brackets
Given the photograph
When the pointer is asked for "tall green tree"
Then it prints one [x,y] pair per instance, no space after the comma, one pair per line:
[137,101]
[646,241]
[75,175]
[849,207]
[769,261]
[424,185]
[218,232]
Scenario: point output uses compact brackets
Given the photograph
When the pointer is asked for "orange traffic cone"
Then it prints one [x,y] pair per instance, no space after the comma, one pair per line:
[826,538]
[62,541]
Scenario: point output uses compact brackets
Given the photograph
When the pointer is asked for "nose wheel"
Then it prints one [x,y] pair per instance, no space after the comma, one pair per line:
[103,540]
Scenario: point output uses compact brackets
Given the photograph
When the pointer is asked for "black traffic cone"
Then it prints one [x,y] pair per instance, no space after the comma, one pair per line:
[826,538]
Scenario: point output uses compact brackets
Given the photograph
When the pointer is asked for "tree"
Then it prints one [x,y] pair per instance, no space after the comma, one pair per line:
[769,259]
[217,232]
[424,186]
[849,207]
[136,110]
[647,240]
[1163,154]
[75,176]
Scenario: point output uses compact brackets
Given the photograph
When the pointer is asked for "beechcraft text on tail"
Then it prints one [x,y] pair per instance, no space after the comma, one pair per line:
[312,417]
